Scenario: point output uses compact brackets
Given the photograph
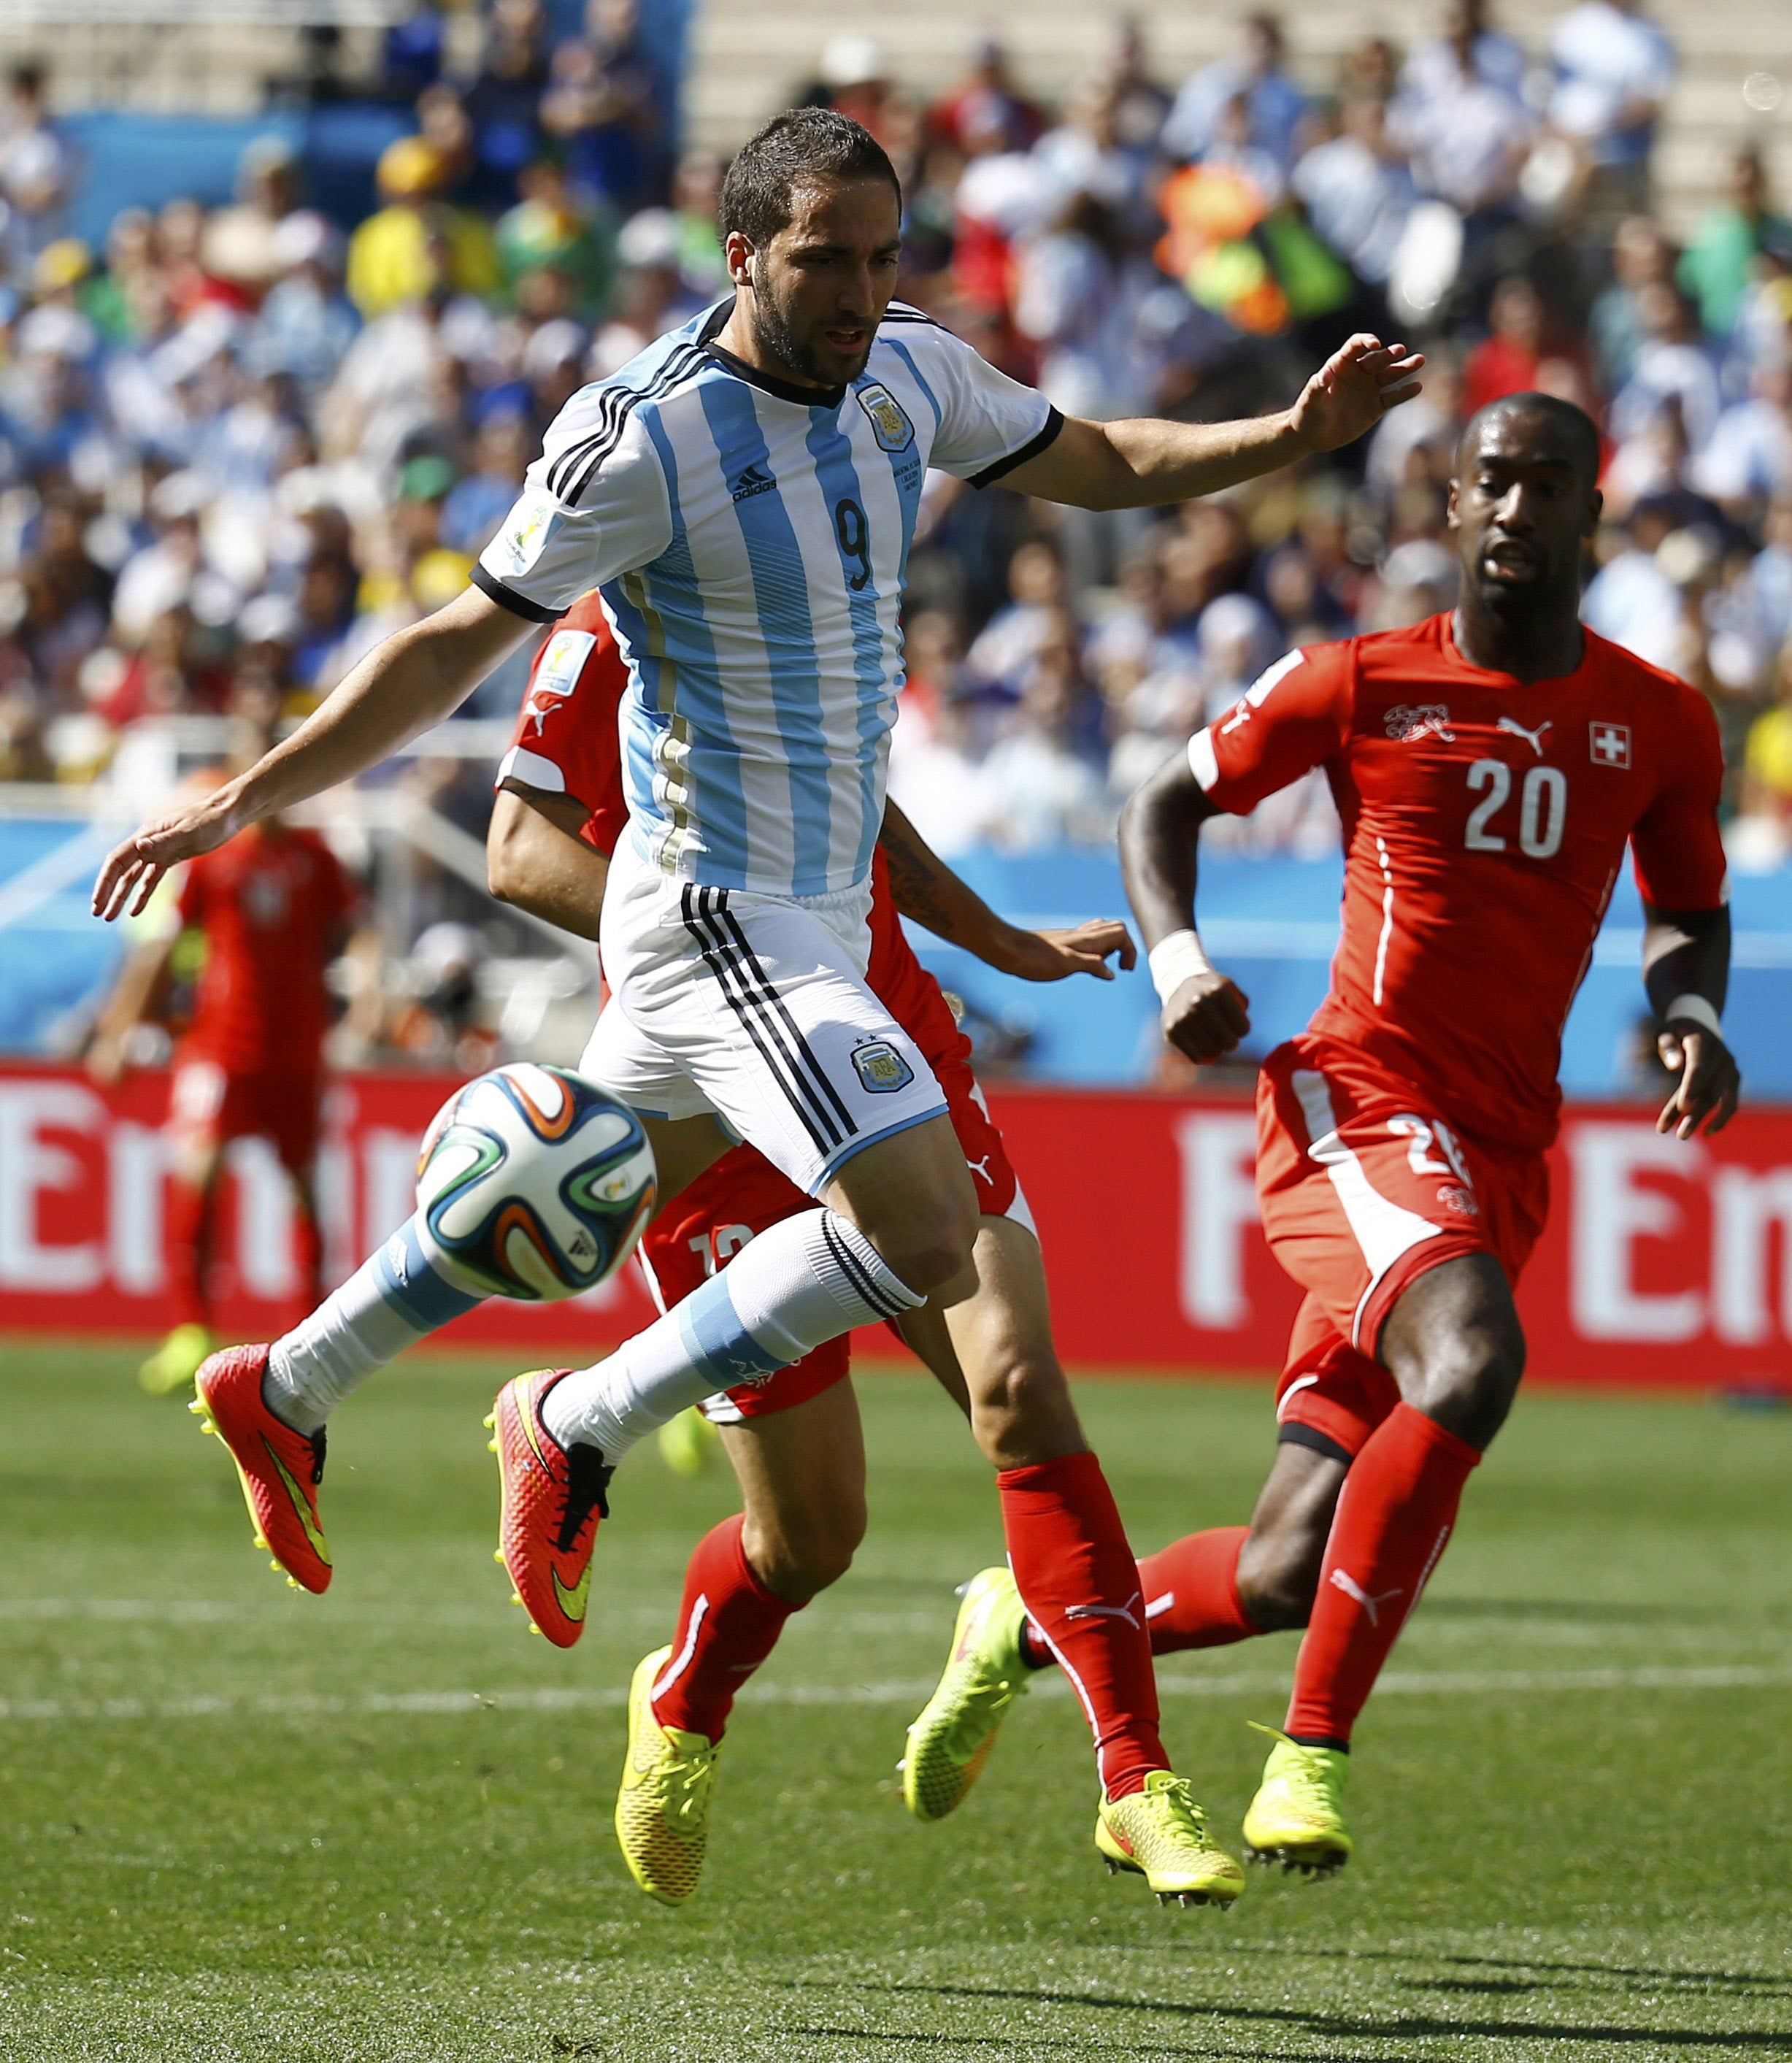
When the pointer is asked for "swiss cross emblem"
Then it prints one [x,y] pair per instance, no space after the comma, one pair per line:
[1609,744]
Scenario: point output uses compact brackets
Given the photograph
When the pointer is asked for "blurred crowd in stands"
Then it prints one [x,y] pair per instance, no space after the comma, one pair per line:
[239,445]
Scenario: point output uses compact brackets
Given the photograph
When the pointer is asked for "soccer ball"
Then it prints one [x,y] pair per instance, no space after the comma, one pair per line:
[533,1183]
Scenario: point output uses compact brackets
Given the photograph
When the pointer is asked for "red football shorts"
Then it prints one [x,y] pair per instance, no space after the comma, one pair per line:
[743,1193]
[209,1104]
[1364,1186]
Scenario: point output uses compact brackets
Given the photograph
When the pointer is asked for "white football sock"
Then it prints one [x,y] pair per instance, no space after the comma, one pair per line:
[394,1299]
[800,1283]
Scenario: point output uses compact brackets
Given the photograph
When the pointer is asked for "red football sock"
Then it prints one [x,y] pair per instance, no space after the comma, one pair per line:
[1191,1592]
[1397,1507]
[728,1624]
[307,1258]
[1077,1578]
[190,1217]
[1191,1600]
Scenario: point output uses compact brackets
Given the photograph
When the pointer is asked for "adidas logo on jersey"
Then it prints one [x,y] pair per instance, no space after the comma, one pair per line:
[755,481]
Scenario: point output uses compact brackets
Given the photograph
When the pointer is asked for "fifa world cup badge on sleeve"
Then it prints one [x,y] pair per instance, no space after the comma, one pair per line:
[525,533]
[895,432]
[882,1068]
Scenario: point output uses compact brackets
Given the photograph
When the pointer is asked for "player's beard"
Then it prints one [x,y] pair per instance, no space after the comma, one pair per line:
[1556,591]
[778,341]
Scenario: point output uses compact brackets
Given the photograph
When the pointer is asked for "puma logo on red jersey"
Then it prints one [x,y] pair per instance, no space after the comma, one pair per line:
[540,706]
[1533,738]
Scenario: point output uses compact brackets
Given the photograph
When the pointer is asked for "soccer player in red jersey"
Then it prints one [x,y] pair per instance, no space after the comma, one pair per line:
[1490,767]
[274,909]
[793,1437]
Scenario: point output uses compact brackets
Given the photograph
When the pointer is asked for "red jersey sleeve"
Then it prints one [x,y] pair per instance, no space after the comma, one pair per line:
[1296,717]
[189,894]
[1675,847]
[338,895]
[566,741]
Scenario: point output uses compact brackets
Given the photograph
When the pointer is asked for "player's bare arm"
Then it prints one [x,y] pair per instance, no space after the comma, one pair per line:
[416,677]
[1687,974]
[1205,1013]
[926,889]
[128,1005]
[535,860]
[1145,462]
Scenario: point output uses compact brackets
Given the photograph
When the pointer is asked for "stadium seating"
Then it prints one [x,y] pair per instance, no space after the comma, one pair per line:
[747,56]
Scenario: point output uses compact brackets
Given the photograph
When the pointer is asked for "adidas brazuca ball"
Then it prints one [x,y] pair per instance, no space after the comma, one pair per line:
[534,1183]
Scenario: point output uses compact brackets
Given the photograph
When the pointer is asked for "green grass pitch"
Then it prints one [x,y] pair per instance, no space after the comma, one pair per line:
[243,1823]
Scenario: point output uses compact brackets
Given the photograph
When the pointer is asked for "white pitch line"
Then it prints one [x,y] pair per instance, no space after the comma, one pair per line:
[1718,1676]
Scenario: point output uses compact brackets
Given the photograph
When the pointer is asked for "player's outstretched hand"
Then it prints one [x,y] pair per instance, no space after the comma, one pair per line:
[1055,956]
[1207,1016]
[127,880]
[1710,1083]
[1353,390]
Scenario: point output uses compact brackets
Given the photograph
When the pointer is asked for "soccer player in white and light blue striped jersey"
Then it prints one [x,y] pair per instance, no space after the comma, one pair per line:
[745,494]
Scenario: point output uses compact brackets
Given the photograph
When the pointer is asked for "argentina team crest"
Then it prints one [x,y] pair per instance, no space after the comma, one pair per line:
[894,431]
[882,1068]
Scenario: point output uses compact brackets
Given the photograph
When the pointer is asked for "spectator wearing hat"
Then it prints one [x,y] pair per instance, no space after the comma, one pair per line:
[417,244]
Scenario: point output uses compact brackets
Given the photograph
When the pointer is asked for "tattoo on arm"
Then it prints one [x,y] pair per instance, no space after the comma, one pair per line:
[925,887]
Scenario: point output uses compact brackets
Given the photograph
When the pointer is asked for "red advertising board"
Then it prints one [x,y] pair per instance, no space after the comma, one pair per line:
[1664,1262]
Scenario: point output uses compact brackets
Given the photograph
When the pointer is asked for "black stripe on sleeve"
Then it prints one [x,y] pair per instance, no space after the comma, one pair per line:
[507,597]
[990,474]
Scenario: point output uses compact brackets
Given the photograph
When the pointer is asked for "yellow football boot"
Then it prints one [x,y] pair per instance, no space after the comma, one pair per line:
[1297,1817]
[687,1443]
[668,1781]
[1161,1833]
[176,1361]
[951,1740]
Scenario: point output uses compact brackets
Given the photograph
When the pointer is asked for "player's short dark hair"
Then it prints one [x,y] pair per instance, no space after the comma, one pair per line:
[1583,433]
[798,148]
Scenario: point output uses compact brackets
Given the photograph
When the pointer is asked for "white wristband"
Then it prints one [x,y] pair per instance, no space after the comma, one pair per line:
[1175,960]
[1695,1010]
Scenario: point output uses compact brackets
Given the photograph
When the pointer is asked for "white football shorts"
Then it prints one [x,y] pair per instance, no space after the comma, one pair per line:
[754,1007]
